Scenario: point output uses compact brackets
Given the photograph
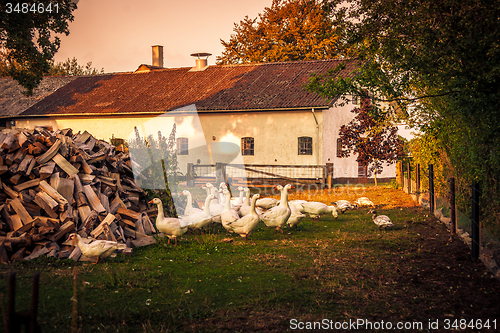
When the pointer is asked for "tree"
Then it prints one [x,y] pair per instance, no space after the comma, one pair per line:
[373,141]
[288,30]
[27,33]
[71,67]
[438,63]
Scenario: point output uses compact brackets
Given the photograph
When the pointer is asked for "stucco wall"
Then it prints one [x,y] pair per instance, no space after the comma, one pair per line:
[275,133]
[346,167]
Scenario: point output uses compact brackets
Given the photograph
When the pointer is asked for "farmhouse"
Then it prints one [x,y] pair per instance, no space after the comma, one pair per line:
[252,114]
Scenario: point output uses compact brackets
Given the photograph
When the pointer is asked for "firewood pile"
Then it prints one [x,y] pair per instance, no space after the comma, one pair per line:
[55,183]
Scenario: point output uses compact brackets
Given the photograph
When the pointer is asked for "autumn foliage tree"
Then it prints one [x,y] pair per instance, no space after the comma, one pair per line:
[288,30]
[371,139]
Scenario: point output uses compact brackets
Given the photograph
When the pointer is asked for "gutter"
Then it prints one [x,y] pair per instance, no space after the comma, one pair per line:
[317,136]
[153,113]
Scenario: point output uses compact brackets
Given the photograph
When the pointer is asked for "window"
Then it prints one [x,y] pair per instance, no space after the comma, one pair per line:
[339,147]
[247,146]
[356,99]
[305,145]
[182,146]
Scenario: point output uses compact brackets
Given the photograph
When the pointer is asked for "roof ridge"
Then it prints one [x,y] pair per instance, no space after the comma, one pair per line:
[285,62]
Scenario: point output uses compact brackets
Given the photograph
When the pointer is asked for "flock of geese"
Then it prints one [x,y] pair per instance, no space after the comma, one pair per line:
[239,215]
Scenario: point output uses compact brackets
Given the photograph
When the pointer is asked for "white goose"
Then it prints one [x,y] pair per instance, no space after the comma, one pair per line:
[383,221]
[298,205]
[215,207]
[238,202]
[229,214]
[246,208]
[343,205]
[295,217]
[267,203]
[97,249]
[245,225]
[200,219]
[315,209]
[189,204]
[364,201]
[277,216]
[172,227]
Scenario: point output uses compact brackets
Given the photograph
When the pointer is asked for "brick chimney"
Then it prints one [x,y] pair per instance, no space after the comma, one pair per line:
[158,56]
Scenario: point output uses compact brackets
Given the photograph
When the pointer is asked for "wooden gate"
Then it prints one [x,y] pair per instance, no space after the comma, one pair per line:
[257,175]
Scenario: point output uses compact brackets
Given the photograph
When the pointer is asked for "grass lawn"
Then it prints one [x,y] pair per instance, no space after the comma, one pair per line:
[331,271]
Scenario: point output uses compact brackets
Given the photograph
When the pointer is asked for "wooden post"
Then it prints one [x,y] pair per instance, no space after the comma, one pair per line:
[190,174]
[453,214]
[329,175]
[417,179]
[220,172]
[409,177]
[15,320]
[401,175]
[475,225]
[11,305]
[431,188]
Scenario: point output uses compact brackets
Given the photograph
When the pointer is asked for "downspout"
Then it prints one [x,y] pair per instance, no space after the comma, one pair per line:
[317,136]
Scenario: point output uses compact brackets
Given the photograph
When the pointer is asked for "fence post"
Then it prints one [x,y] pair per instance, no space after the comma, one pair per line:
[431,188]
[453,214]
[409,178]
[401,175]
[476,231]
[417,179]
[220,172]
[329,175]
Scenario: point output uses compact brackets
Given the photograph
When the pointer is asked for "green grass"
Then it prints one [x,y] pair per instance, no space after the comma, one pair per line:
[338,269]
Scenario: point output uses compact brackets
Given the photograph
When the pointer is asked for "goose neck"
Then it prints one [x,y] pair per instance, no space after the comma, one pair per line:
[161,215]
[189,200]
[206,209]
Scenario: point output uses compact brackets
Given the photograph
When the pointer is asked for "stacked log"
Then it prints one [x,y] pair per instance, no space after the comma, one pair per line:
[55,183]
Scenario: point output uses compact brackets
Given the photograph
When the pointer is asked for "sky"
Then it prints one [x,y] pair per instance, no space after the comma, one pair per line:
[117,35]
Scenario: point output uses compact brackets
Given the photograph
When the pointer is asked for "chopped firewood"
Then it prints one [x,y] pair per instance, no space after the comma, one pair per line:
[100,228]
[128,213]
[47,170]
[90,221]
[47,156]
[4,257]
[84,212]
[21,211]
[27,184]
[53,193]
[65,165]
[48,204]
[19,255]
[148,240]
[65,228]
[94,201]
[53,183]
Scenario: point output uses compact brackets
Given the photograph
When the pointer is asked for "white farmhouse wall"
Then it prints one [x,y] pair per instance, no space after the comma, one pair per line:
[346,167]
[275,133]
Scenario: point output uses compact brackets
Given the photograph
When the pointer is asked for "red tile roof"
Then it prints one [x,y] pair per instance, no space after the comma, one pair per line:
[220,88]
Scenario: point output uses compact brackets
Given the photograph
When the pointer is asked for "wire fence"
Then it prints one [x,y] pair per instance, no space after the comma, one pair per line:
[257,175]
[442,199]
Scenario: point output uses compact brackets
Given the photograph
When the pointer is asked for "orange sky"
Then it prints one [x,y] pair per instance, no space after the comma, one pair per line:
[117,35]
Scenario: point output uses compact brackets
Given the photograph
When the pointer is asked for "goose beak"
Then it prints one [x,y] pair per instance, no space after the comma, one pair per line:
[150,201]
